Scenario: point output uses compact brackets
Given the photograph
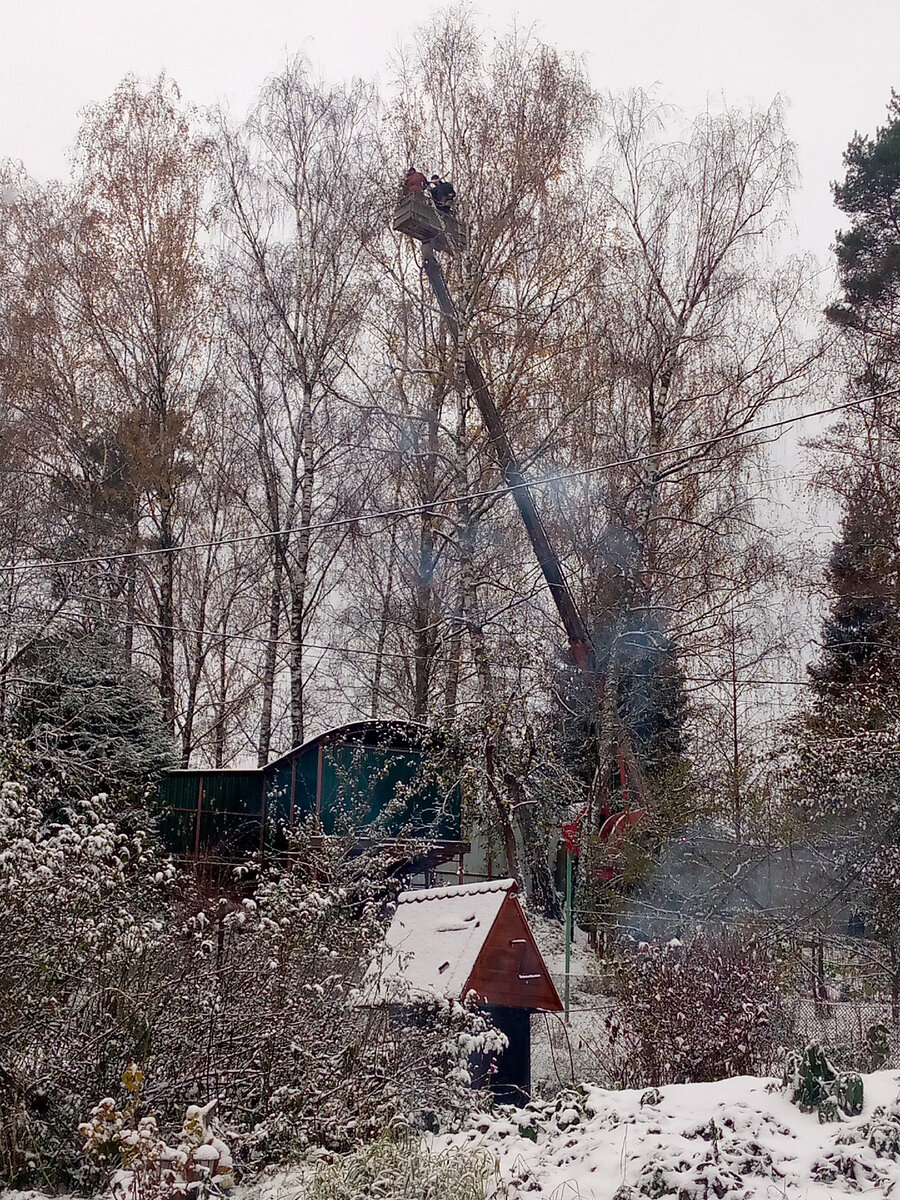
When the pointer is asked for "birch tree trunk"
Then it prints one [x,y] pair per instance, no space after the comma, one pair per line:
[270,659]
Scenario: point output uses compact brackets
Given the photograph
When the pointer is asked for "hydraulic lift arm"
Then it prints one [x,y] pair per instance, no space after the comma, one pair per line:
[418,219]
[579,639]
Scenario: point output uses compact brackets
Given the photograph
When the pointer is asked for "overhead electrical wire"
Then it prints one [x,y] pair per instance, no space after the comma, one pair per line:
[410,656]
[289,643]
[434,505]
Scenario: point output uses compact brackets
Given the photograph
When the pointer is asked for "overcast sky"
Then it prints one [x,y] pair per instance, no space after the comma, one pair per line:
[835,62]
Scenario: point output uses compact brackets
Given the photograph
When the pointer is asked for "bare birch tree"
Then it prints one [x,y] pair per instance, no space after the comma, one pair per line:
[698,334]
[298,188]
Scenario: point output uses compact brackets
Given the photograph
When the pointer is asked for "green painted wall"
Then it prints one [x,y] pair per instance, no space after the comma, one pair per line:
[378,779]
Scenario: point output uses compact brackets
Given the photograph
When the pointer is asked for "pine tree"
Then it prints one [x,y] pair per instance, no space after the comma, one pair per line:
[643,768]
[848,759]
[843,765]
[868,262]
[87,719]
[652,702]
[845,744]
[861,635]
[868,254]
[650,706]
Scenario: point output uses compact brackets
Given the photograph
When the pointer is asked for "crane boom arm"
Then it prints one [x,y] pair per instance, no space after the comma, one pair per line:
[579,639]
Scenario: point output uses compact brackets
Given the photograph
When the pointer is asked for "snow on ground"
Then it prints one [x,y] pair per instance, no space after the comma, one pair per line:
[739,1139]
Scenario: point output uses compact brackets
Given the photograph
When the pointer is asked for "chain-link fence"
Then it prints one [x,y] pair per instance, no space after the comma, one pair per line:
[832,993]
[862,1034]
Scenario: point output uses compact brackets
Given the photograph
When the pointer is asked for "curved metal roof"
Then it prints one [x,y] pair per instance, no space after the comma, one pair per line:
[351,730]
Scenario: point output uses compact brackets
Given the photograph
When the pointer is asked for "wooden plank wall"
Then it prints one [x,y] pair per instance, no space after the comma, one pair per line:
[509,969]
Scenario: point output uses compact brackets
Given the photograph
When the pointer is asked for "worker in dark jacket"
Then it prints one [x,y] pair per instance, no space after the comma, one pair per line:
[414,183]
[443,194]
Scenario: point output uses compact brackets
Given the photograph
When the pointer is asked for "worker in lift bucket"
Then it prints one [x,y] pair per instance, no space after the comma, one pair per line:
[443,194]
[414,183]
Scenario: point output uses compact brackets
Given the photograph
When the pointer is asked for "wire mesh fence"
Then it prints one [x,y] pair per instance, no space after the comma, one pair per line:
[834,992]
[863,1034]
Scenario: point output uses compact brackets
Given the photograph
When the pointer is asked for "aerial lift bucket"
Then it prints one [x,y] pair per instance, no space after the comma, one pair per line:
[417,217]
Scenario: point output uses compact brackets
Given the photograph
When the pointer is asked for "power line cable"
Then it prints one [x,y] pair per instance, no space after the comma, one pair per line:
[263,640]
[434,505]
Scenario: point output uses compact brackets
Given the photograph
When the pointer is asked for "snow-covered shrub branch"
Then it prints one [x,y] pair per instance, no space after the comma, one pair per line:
[244,988]
[695,1011]
[83,913]
[134,1162]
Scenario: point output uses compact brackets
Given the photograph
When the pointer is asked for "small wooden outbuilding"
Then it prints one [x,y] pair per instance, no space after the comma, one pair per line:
[378,780]
[454,941]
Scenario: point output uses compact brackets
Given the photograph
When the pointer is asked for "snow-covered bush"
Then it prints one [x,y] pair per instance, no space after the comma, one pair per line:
[133,1161]
[570,1107]
[323,1068]
[244,988]
[728,1141]
[816,1085]
[688,1012]
[859,1151]
[89,719]
[83,913]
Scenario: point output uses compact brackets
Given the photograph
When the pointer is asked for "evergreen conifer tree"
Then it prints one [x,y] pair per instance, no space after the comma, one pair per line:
[848,761]
[868,253]
[642,769]
[86,718]
[843,766]
[845,761]
[861,635]
[651,708]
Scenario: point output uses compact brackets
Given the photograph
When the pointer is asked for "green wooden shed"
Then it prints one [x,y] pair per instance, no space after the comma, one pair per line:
[371,780]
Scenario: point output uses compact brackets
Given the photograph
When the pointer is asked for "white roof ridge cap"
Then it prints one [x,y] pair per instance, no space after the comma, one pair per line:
[483,887]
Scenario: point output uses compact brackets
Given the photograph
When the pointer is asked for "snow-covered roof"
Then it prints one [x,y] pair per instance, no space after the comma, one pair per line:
[434,939]
[462,891]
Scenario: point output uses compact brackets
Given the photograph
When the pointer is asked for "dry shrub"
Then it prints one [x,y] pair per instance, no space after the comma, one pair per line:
[243,989]
[695,1011]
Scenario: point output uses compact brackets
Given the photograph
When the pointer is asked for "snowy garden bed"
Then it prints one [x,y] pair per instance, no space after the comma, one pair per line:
[738,1139]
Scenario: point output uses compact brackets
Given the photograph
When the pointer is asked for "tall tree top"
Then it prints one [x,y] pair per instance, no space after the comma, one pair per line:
[868,253]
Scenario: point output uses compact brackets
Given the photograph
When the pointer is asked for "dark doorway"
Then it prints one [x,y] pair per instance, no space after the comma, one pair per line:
[511,1081]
